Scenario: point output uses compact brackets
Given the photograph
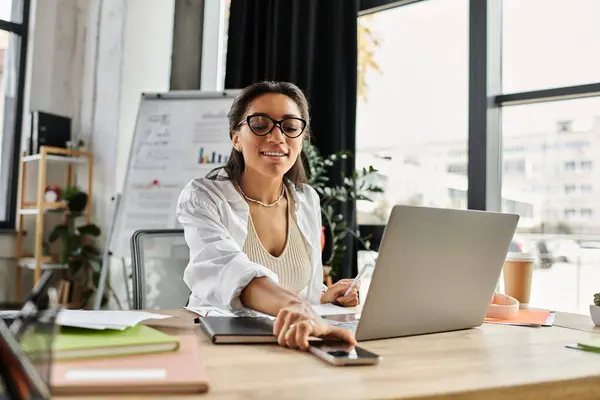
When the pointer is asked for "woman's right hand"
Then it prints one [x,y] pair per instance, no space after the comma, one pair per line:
[297,321]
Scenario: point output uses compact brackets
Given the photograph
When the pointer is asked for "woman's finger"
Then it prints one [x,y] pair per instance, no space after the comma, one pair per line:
[340,288]
[340,334]
[279,321]
[290,336]
[288,320]
[350,300]
[303,331]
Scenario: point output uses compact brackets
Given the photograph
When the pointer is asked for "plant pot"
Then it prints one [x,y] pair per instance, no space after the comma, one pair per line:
[595,314]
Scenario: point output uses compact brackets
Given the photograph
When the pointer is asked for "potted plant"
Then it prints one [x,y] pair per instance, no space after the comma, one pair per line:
[77,249]
[353,188]
[595,309]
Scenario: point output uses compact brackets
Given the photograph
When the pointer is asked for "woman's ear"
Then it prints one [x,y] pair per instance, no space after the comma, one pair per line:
[235,141]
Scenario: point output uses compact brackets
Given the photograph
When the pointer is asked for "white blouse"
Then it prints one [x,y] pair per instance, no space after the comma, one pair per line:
[214,217]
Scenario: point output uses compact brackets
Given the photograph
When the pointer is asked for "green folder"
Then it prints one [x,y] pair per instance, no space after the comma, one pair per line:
[77,343]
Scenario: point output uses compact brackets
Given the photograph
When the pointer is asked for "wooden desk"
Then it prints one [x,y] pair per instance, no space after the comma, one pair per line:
[488,362]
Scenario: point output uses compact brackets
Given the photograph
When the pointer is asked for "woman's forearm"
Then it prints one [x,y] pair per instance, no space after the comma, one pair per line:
[264,295]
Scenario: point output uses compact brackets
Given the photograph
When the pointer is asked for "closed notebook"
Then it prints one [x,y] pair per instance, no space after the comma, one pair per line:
[73,343]
[175,372]
[238,329]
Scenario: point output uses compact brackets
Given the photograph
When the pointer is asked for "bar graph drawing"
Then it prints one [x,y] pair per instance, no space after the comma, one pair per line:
[206,156]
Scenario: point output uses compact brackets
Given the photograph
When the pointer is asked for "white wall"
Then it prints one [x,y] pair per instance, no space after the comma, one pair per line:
[146,65]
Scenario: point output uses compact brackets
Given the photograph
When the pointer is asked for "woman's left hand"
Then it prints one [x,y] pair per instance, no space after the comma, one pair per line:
[335,294]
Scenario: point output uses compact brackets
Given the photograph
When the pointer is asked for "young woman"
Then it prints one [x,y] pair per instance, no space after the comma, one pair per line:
[253,226]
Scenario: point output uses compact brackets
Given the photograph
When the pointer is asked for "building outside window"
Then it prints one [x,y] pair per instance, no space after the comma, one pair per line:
[570,189]
[555,50]
[586,189]
[570,166]
[586,165]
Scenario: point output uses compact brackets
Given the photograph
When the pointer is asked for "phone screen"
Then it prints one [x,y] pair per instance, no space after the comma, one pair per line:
[343,350]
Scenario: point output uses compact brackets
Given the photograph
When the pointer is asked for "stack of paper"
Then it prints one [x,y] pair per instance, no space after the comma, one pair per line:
[104,319]
[72,343]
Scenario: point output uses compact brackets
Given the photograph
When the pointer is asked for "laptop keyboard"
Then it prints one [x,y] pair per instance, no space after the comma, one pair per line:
[349,325]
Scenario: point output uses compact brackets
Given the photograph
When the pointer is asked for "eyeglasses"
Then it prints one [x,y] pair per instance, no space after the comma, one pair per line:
[262,125]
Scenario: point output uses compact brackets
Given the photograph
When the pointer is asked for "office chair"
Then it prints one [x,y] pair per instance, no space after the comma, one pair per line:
[158,259]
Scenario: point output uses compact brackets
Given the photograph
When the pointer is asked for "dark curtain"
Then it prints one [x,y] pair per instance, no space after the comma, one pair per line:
[312,43]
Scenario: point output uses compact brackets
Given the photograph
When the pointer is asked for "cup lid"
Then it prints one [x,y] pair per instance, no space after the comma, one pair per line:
[523,257]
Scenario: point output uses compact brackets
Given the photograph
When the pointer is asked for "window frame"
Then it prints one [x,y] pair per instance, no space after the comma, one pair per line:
[14,153]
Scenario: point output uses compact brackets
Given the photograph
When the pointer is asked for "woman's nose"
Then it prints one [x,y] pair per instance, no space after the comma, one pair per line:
[276,134]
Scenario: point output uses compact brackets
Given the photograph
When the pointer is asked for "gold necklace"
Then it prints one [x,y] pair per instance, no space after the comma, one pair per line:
[260,202]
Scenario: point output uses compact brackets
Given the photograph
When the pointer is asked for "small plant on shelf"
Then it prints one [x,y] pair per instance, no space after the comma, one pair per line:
[77,248]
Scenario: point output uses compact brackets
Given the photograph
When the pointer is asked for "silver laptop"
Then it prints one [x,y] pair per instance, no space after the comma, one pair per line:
[436,271]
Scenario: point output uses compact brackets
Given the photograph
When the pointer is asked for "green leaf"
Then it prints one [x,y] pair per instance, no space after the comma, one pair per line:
[75,264]
[90,251]
[96,266]
[340,236]
[90,230]
[59,231]
[75,244]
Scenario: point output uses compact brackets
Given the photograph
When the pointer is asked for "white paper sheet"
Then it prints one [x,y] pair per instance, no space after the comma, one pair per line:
[105,319]
[331,309]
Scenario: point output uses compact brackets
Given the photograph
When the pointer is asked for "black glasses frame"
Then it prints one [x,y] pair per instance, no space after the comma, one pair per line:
[275,123]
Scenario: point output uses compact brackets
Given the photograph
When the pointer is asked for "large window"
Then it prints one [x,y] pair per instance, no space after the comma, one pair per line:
[423,121]
[412,110]
[551,140]
[13,41]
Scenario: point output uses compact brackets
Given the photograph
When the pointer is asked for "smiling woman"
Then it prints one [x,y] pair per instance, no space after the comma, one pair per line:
[253,226]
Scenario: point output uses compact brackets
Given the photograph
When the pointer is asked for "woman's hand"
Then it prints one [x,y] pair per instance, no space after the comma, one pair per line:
[335,294]
[296,322]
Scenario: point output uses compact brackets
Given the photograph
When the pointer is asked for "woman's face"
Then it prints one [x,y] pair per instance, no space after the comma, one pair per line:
[273,154]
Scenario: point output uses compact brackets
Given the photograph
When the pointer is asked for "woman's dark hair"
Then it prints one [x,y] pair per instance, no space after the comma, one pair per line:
[235,164]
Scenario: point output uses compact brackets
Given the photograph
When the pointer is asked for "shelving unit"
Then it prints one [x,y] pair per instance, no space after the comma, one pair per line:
[38,261]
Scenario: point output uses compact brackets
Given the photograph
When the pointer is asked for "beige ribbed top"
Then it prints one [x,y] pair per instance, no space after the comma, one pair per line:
[293,266]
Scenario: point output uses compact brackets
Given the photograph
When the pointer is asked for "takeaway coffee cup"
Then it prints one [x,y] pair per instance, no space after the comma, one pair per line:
[518,272]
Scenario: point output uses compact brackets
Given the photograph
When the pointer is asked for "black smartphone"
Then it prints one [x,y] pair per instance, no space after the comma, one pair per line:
[341,353]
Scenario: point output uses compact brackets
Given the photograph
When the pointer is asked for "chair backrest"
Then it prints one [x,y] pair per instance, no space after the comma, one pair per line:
[158,259]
